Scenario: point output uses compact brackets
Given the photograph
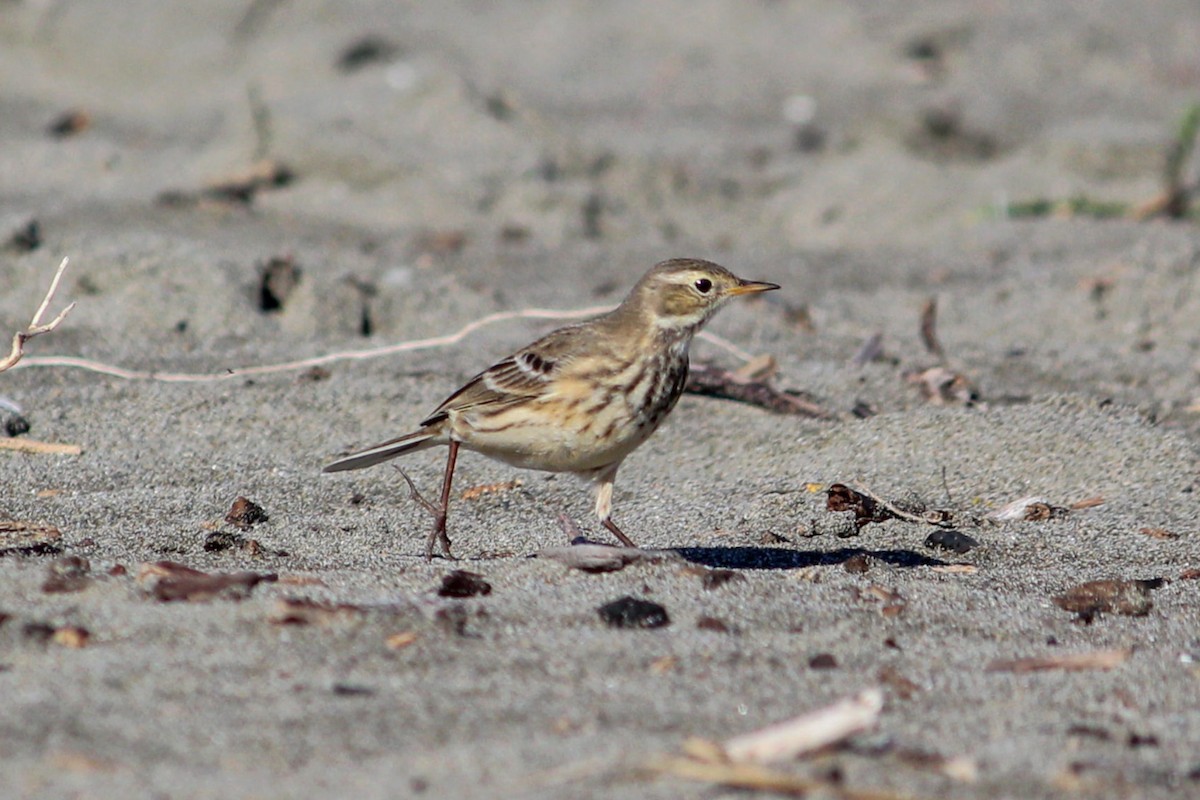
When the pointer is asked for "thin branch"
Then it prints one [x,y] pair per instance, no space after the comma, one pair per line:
[36,326]
[345,355]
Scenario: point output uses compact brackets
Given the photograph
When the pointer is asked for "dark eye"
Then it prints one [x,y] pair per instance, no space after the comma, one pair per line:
[703,285]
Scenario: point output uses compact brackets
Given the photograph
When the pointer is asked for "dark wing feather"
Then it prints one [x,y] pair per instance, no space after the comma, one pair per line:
[523,375]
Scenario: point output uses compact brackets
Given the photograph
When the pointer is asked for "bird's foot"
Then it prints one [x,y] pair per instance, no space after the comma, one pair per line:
[438,534]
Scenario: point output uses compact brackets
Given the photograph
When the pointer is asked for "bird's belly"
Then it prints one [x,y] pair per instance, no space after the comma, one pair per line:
[575,442]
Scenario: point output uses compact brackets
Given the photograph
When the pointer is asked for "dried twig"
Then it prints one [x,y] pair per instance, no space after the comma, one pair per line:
[715,382]
[1096,659]
[808,732]
[942,519]
[413,345]
[36,326]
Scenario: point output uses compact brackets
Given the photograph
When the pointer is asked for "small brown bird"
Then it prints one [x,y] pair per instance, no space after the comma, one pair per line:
[582,398]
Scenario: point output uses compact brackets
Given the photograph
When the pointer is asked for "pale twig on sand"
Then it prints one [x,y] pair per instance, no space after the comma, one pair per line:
[343,355]
[36,326]
[32,446]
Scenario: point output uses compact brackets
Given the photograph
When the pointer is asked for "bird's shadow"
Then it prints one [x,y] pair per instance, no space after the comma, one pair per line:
[784,558]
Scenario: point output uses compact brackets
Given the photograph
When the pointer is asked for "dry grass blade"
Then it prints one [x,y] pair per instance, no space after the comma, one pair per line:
[41,448]
[1073,662]
[760,778]
[346,355]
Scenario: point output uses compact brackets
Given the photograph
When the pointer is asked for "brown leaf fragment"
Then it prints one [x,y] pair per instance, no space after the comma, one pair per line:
[461,583]
[823,661]
[1190,574]
[245,513]
[399,641]
[1071,662]
[302,611]
[712,624]
[841,497]
[712,381]
[168,581]
[67,574]
[942,386]
[1126,597]
[28,538]
[72,636]
[901,686]
[929,335]
[716,578]
[476,492]
[1158,533]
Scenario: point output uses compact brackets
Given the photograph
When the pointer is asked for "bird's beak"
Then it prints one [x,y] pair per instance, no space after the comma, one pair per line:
[752,287]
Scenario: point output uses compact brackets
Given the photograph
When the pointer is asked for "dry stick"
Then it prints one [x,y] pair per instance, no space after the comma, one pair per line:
[931,518]
[34,446]
[36,326]
[345,355]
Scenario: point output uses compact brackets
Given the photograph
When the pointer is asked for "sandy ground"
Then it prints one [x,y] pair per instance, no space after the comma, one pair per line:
[445,161]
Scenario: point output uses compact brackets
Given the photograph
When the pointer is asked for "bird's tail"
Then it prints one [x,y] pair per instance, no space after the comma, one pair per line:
[411,442]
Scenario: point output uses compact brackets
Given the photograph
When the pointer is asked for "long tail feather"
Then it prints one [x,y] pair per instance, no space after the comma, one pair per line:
[408,443]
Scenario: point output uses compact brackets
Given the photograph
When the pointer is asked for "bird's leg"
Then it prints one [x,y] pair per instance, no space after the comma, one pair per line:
[604,491]
[439,519]
[438,534]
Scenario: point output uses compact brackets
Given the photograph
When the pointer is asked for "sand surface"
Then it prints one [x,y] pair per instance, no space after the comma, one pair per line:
[440,162]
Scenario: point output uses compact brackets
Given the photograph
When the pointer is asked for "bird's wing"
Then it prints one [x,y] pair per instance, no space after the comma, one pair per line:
[525,374]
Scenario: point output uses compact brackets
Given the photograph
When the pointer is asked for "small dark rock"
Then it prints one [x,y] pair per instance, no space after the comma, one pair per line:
[38,631]
[220,541]
[461,583]
[352,690]
[278,278]
[69,123]
[630,612]
[823,661]
[15,425]
[26,238]
[244,514]
[368,50]
[952,540]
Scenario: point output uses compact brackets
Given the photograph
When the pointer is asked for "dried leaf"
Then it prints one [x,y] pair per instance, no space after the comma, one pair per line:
[842,498]
[168,581]
[461,583]
[929,328]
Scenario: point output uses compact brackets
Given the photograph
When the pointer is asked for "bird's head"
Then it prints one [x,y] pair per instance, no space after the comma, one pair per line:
[683,293]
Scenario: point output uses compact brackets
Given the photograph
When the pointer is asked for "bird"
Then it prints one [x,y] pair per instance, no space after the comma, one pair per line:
[581,398]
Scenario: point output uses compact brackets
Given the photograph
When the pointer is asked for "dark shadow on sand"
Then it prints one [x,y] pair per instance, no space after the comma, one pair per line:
[782,558]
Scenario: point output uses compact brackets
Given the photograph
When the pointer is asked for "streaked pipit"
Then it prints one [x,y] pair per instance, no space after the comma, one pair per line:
[582,398]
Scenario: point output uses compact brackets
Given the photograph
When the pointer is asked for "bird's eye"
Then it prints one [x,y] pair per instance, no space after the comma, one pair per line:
[703,285]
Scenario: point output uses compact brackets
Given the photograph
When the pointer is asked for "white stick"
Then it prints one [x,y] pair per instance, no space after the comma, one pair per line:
[36,327]
[808,732]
